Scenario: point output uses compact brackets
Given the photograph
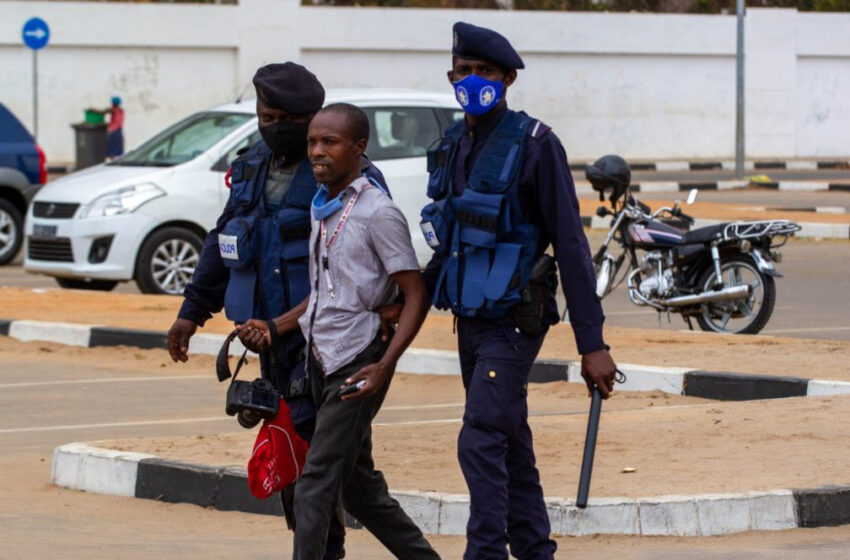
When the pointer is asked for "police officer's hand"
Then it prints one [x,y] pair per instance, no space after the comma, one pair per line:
[375,375]
[597,368]
[178,338]
[255,335]
[389,315]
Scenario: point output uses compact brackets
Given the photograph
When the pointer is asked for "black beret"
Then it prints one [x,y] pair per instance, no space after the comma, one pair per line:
[289,87]
[471,41]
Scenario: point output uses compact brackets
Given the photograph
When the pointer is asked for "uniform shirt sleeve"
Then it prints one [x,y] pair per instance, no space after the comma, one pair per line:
[390,239]
[557,204]
[204,295]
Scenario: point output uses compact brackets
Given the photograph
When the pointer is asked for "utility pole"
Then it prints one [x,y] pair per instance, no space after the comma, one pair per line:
[739,94]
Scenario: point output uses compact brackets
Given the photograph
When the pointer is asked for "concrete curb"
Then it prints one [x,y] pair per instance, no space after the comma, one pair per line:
[675,380]
[684,165]
[79,466]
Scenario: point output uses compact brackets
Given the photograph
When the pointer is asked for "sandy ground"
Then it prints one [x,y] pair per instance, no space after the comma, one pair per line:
[823,359]
[727,212]
[678,445]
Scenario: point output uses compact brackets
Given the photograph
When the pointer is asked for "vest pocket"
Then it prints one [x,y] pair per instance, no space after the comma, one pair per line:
[294,228]
[237,242]
[436,224]
[478,218]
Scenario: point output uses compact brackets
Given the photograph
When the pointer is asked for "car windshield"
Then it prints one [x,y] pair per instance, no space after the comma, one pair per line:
[184,141]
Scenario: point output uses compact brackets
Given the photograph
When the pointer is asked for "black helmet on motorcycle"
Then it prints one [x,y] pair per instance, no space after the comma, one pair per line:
[609,172]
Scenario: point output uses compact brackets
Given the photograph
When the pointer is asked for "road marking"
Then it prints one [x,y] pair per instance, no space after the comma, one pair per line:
[115,425]
[108,380]
[813,329]
[422,406]
[419,422]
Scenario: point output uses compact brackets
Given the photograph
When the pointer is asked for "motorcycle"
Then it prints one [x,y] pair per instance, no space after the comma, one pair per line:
[722,275]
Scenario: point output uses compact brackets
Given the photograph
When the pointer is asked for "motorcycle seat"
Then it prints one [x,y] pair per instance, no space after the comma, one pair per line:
[704,234]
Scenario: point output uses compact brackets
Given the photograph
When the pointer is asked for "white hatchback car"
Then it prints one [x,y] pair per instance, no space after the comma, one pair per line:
[144,216]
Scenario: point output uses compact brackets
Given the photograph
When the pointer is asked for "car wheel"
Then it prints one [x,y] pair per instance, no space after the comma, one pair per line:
[167,261]
[84,284]
[11,231]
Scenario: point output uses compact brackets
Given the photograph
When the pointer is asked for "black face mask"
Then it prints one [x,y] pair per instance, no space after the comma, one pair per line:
[286,139]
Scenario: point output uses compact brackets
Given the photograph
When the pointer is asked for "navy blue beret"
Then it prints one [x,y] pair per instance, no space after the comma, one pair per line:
[471,41]
[289,87]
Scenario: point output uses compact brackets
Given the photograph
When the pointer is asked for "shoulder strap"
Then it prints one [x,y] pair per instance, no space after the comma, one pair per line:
[537,128]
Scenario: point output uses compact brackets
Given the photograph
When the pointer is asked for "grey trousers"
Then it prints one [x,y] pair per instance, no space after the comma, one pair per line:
[340,466]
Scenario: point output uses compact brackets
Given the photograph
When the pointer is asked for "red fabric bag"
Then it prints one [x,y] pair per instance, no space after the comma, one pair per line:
[278,457]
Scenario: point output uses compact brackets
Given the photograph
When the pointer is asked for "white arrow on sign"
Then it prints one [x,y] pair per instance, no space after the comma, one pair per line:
[37,33]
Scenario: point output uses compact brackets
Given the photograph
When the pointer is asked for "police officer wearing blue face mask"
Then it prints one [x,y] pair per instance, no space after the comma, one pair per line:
[254,262]
[502,193]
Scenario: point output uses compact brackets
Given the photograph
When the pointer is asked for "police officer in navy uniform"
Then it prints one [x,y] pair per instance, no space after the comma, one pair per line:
[254,262]
[502,193]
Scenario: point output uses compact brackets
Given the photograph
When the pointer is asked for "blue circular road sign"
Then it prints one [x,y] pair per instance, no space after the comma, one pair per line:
[35,33]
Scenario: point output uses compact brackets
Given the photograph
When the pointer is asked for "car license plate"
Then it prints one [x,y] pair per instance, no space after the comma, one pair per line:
[43,231]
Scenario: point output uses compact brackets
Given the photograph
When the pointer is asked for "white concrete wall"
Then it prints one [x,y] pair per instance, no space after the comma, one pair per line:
[645,86]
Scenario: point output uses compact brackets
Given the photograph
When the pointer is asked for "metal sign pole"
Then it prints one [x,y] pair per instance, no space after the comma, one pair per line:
[36,35]
[739,96]
[35,94]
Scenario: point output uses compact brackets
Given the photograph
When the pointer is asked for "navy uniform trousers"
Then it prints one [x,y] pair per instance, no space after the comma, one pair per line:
[494,446]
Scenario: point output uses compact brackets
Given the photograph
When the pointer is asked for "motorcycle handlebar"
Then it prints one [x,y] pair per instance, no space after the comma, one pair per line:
[679,214]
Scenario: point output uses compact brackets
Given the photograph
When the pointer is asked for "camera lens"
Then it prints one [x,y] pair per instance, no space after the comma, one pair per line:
[248,418]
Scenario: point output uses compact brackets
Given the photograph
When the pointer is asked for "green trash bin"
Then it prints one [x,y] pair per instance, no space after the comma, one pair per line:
[94,117]
[90,141]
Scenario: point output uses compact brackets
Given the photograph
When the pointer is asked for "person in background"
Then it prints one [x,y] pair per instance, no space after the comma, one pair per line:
[115,128]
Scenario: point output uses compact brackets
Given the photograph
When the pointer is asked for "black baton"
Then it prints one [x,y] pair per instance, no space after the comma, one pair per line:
[589,449]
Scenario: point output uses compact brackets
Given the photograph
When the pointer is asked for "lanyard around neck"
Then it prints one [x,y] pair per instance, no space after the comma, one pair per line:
[327,243]
[339,224]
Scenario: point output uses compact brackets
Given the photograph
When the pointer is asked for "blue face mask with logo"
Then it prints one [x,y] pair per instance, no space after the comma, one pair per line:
[478,96]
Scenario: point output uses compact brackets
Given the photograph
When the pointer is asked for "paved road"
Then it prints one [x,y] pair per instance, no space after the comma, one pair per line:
[57,397]
[811,300]
[761,197]
[829,175]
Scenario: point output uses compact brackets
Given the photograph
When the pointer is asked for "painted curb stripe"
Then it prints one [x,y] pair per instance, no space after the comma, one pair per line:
[79,466]
[109,336]
[709,165]
[822,507]
[738,387]
[686,381]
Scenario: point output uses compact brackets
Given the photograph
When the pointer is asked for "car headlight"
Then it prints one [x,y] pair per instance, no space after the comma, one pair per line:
[121,201]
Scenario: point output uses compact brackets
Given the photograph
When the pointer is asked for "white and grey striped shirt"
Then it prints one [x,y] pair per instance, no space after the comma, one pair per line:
[373,244]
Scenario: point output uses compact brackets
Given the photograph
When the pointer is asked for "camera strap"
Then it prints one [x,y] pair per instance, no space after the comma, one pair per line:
[222,362]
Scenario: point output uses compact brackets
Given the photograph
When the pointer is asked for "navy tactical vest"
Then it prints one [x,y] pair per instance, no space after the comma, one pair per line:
[487,245]
[266,248]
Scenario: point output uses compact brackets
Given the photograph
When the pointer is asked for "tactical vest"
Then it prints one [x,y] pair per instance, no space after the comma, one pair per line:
[266,249]
[487,245]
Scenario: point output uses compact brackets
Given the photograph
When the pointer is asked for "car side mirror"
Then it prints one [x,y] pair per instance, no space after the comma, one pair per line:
[692,196]
[222,165]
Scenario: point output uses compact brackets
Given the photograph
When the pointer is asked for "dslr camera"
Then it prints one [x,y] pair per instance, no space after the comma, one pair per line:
[249,401]
[252,401]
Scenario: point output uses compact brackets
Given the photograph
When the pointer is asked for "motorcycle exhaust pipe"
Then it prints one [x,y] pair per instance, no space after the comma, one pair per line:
[735,292]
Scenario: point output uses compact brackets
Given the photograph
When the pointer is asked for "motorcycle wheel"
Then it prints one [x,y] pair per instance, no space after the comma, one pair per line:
[746,315]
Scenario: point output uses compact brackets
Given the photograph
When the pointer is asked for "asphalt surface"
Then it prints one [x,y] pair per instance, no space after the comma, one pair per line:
[52,399]
[831,175]
[762,198]
[811,299]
